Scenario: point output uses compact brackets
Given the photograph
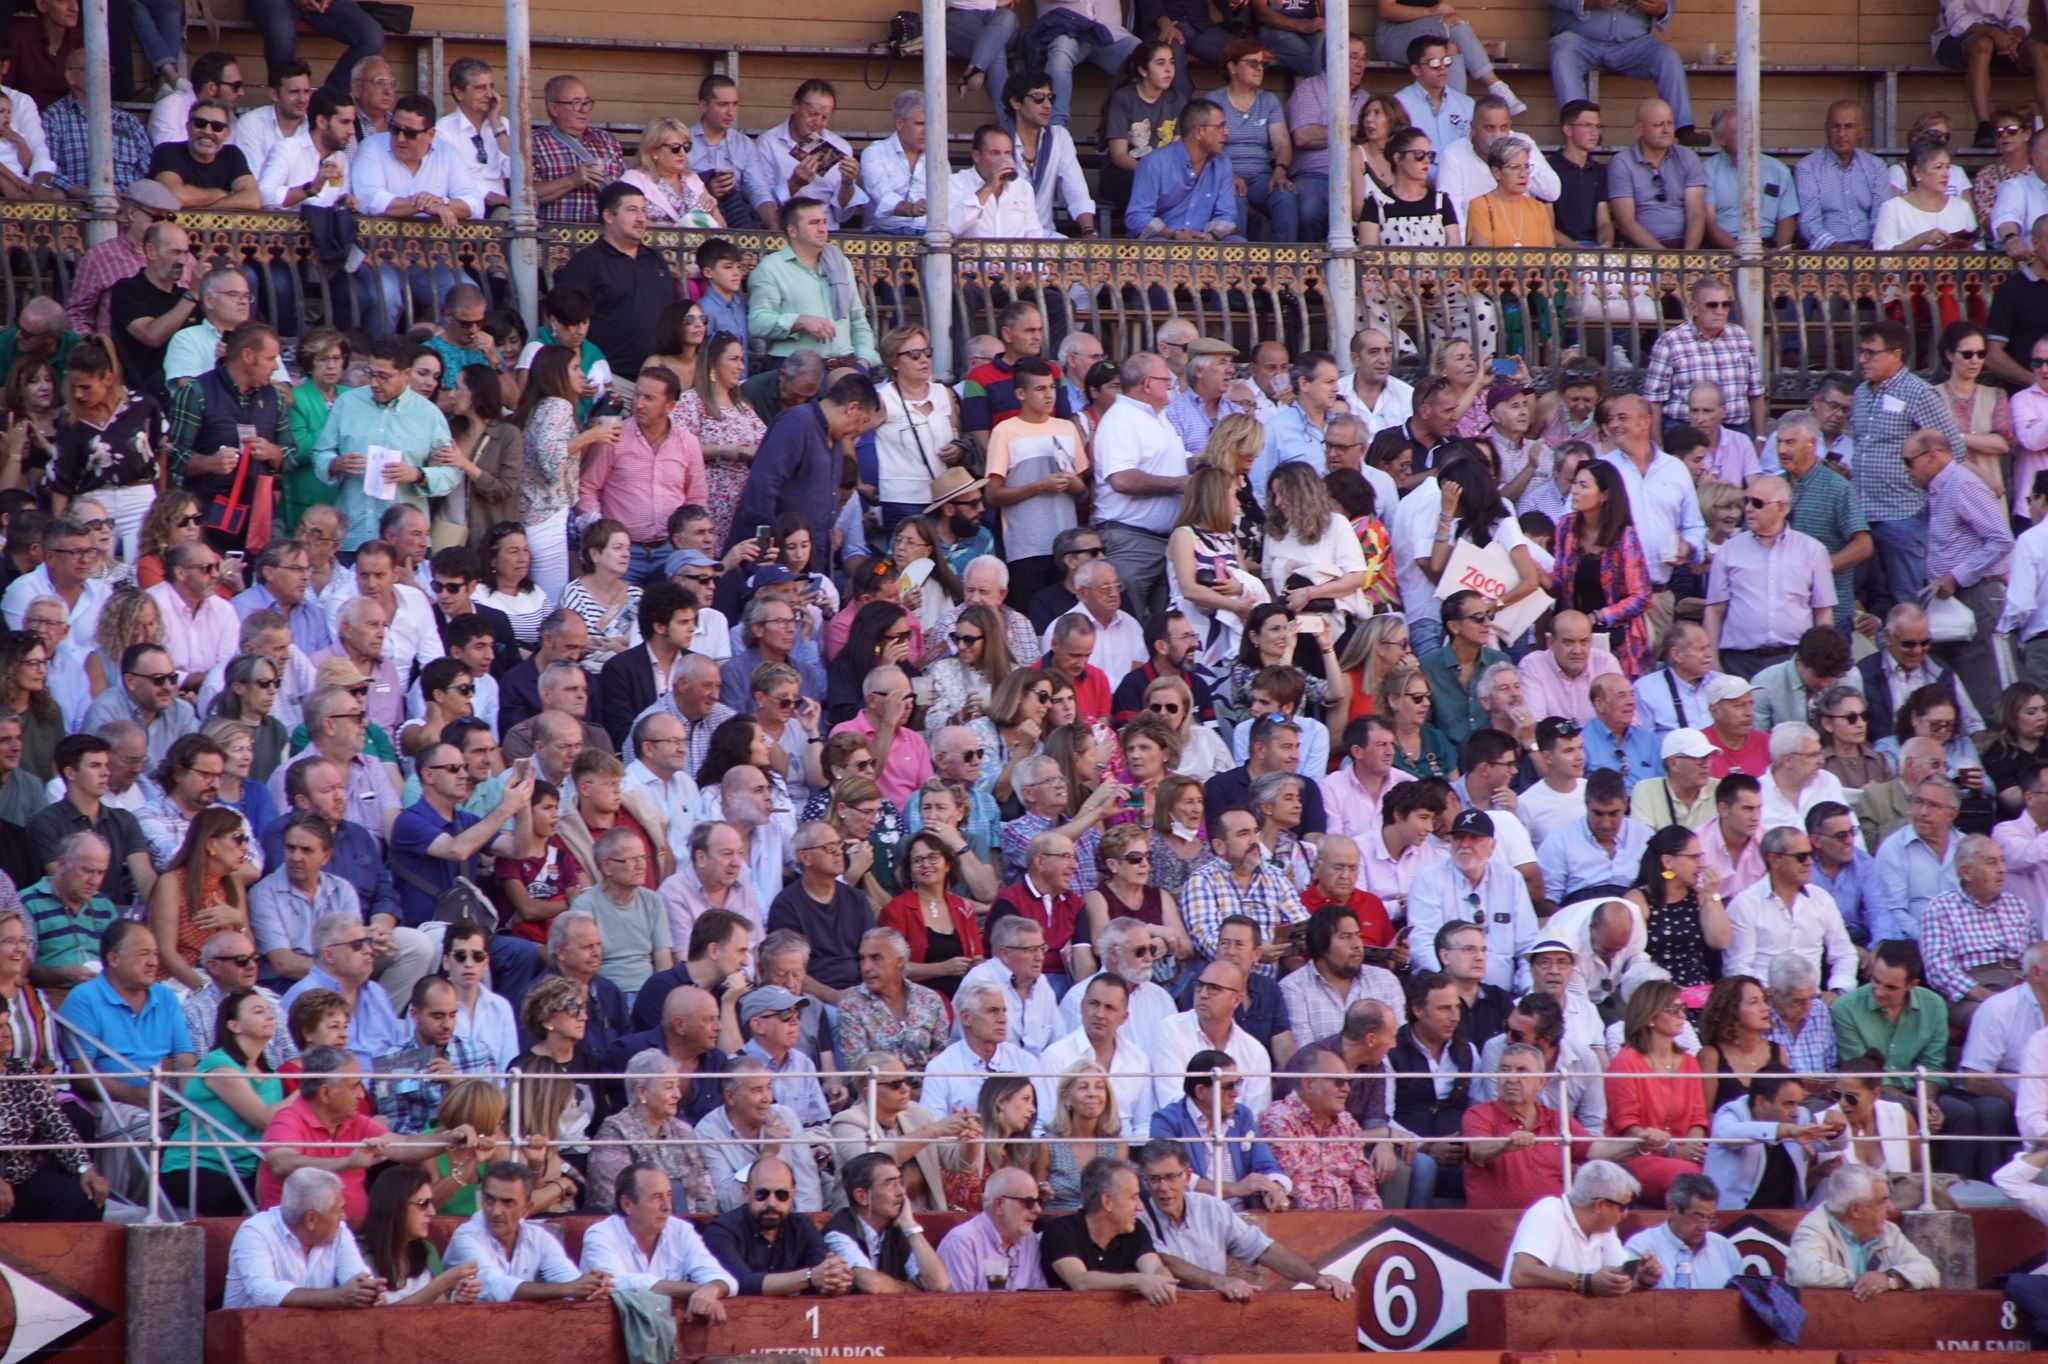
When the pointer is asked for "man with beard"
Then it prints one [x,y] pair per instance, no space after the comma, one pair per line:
[1502,909]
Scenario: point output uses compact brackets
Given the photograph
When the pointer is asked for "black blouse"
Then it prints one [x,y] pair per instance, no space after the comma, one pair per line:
[118,455]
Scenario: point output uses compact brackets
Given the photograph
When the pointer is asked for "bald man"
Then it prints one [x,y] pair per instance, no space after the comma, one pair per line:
[1656,189]
[1559,680]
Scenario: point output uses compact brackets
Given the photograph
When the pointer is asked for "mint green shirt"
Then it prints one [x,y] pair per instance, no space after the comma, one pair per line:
[782,288]
[200,1095]
[412,426]
[1919,1038]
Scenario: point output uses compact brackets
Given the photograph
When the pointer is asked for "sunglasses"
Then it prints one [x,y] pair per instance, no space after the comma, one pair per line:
[915,353]
[469,956]
[959,638]
[1136,859]
[1851,717]
[209,125]
[1028,1200]
[356,944]
[1044,698]
[1165,707]
[187,522]
[442,588]
[158,679]
[899,1084]
[244,960]
[779,1195]
[464,688]
[98,523]
[409,133]
[1970,355]
[441,767]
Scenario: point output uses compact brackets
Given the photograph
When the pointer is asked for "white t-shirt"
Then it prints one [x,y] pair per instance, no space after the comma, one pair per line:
[1544,810]
[1549,1233]
[1899,222]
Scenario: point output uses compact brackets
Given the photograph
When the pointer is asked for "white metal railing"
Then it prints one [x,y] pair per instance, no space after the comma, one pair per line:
[164,1086]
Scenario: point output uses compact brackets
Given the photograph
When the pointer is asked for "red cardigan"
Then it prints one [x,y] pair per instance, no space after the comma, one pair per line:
[904,915]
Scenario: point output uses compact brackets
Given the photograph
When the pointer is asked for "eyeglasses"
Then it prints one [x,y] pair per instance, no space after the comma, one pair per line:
[346,714]
[443,588]
[441,767]
[928,859]
[581,106]
[409,133]
[577,1010]
[1796,856]
[158,679]
[244,960]
[1715,303]
[1039,97]
[915,353]
[779,1195]
[470,956]
[188,522]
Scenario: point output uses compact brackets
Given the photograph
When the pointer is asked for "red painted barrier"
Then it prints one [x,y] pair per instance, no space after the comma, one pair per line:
[1943,1320]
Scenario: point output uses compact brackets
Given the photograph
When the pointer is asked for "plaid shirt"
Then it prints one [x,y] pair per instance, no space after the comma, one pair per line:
[410,1105]
[556,156]
[1824,506]
[64,131]
[1017,836]
[1880,419]
[1682,357]
[1185,415]
[1957,934]
[1212,895]
[1968,535]
[188,410]
[1839,203]
[1812,1052]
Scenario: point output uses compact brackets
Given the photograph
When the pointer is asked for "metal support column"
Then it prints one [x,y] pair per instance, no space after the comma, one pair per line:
[1749,242]
[1341,272]
[99,126]
[938,242]
[524,247]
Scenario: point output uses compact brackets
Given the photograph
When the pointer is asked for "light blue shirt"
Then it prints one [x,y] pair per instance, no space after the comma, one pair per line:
[1713,1264]
[1908,876]
[796,1083]
[1452,122]
[1570,859]
[280,914]
[1724,197]
[137,1040]
[1168,195]
[1635,755]
[1848,886]
[1442,895]
[1663,502]
[1290,438]
[1654,692]
[374,1029]
[412,425]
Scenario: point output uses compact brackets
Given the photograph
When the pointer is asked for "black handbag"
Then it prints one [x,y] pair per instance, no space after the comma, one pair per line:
[906,33]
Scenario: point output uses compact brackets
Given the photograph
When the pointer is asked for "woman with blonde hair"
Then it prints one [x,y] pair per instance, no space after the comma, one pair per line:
[1373,650]
[174,519]
[240,788]
[965,679]
[1234,445]
[484,1107]
[130,617]
[1209,578]
[1203,753]
[1014,726]
[1420,748]
[1654,1089]
[918,437]
[676,196]
[1084,1107]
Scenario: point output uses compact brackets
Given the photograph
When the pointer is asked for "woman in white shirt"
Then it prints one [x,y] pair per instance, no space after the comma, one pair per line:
[1876,1132]
[920,423]
[1925,217]
[1312,554]
[508,582]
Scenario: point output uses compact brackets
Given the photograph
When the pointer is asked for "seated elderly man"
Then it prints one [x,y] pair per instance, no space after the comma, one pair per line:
[996,1250]
[750,1126]
[1197,1235]
[645,1246]
[1105,1246]
[1850,1241]
[1538,1020]
[1569,1242]
[517,1262]
[229,962]
[323,1127]
[1129,947]
[1508,1163]
[1320,1146]
[1559,680]
[300,1253]
[1804,1034]
[1764,1150]
[1972,938]
[1698,1256]
[1796,781]
[877,1234]
[770,1251]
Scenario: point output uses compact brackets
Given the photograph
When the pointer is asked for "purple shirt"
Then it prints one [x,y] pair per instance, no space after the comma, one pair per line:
[1771,590]
[1968,536]
[1309,107]
[971,1249]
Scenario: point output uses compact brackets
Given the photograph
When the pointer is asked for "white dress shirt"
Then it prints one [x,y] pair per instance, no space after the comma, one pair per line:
[890,179]
[1134,435]
[774,161]
[537,1257]
[1150,1006]
[167,117]
[256,132]
[946,1093]
[1127,1078]
[1179,1037]
[2000,1028]
[2026,591]
[1396,405]
[677,797]
[1666,508]
[85,612]
[1012,213]
[2032,1109]
[410,636]
[1765,926]
[1119,645]
[1034,1022]
[1441,894]
[292,162]
[492,170]
[1057,172]
[268,1261]
[1462,175]
[679,1256]
[378,177]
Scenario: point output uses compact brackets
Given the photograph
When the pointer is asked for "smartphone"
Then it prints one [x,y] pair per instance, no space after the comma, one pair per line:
[235,556]
[1135,802]
[1205,577]
[762,535]
[1505,369]
[1632,1267]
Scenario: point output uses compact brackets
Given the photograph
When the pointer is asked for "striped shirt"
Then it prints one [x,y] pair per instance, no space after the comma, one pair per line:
[1968,536]
[1839,203]
[1881,417]
[1824,506]
[65,938]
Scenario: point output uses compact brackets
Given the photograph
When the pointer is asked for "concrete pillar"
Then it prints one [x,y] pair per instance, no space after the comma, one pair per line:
[1749,253]
[523,249]
[99,126]
[1950,1240]
[938,169]
[165,1318]
[1341,270]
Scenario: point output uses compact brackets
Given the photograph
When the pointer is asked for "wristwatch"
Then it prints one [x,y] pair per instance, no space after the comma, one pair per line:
[913,1230]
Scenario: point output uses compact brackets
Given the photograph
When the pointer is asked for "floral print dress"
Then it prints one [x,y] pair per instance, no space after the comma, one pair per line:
[1625,588]
[551,471]
[736,425]
[123,453]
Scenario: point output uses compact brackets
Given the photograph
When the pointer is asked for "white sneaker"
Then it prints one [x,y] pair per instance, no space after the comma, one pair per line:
[1499,89]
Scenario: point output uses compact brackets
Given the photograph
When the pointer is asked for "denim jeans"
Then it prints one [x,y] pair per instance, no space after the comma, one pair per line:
[1423,1176]
[1281,206]
[1205,42]
[160,28]
[647,565]
[1313,191]
[984,37]
[425,285]
[1901,561]
[1065,53]
[344,21]
[1573,55]
[514,964]
[1301,53]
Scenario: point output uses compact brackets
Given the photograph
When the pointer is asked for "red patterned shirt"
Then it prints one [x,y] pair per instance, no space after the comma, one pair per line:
[1328,1176]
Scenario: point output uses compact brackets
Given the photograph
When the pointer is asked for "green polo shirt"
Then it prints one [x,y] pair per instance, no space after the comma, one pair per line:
[1919,1038]
[1824,506]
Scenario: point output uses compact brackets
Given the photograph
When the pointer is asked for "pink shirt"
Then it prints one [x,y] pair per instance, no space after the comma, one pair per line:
[910,760]
[1738,874]
[1348,808]
[638,485]
[2025,845]
[1390,877]
[1549,692]
[199,641]
[299,1126]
